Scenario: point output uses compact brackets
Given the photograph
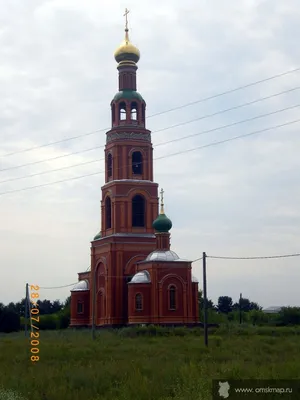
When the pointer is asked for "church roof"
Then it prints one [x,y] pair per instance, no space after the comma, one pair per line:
[81,285]
[163,255]
[141,277]
[128,94]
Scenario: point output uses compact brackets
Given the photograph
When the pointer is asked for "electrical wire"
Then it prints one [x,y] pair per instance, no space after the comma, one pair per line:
[161,112]
[254,258]
[158,158]
[107,276]
[198,259]
[59,287]
[157,145]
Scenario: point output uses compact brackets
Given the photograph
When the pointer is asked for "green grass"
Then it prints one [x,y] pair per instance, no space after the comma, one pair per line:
[135,366]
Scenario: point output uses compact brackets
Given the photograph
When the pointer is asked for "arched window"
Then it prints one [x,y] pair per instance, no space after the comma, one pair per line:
[108,213]
[109,165]
[138,211]
[137,163]
[113,114]
[138,302]
[172,298]
[143,113]
[134,111]
[122,110]
[79,307]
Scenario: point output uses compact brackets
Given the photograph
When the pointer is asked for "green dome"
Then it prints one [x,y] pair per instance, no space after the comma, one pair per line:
[128,95]
[162,224]
[98,236]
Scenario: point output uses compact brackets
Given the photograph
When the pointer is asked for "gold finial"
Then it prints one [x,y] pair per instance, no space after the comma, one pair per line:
[162,201]
[127,53]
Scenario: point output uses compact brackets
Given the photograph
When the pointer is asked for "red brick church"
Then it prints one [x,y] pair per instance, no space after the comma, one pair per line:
[134,278]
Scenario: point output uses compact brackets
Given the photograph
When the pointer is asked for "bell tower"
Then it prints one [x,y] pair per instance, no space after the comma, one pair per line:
[129,203]
[129,196]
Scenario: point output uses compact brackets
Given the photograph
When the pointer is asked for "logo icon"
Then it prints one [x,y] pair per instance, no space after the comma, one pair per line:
[224,389]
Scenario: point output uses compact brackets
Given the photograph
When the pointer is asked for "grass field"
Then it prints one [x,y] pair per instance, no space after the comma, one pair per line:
[123,366]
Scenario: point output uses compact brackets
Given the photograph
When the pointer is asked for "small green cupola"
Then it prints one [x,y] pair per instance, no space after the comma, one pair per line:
[98,236]
[162,224]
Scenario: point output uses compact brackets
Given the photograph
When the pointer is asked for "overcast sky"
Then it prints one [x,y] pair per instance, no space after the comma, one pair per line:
[240,198]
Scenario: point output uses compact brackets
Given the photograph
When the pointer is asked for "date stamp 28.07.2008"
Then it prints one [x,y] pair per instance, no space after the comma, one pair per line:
[34,320]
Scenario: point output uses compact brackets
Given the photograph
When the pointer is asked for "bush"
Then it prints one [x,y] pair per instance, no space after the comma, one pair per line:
[289,316]
[154,330]
[9,321]
[258,317]
[63,319]
[10,395]
[47,322]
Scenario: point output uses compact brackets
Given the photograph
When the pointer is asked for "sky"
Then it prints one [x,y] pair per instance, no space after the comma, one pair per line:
[240,198]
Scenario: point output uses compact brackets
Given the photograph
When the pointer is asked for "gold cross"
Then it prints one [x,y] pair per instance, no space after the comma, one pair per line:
[162,196]
[126,19]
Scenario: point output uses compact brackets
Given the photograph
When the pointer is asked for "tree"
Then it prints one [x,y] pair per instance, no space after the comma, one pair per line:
[67,302]
[9,321]
[45,306]
[18,308]
[56,306]
[246,305]
[225,304]
[210,303]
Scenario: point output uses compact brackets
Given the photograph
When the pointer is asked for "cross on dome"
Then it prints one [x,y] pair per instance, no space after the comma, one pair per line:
[126,19]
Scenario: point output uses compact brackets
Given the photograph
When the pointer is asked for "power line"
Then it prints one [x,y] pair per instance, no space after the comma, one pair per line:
[159,113]
[59,287]
[254,258]
[159,158]
[108,276]
[198,259]
[51,170]
[230,125]
[64,286]
[159,144]
[231,91]
[229,140]
[52,158]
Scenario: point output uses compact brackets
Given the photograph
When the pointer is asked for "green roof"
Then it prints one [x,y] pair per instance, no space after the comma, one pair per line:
[162,224]
[128,94]
[98,236]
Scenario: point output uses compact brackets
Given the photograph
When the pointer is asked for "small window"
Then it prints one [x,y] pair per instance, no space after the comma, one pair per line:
[109,165]
[172,298]
[138,211]
[113,113]
[138,302]
[137,163]
[122,109]
[79,307]
[108,213]
[143,113]
[134,112]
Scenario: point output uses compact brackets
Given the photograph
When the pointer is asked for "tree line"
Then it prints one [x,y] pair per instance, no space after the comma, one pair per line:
[53,315]
[56,314]
[226,305]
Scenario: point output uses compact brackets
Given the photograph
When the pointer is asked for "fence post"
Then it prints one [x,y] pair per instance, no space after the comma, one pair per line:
[205,301]
[26,310]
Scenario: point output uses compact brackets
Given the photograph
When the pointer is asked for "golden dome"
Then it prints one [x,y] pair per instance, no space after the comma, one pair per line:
[127,51]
